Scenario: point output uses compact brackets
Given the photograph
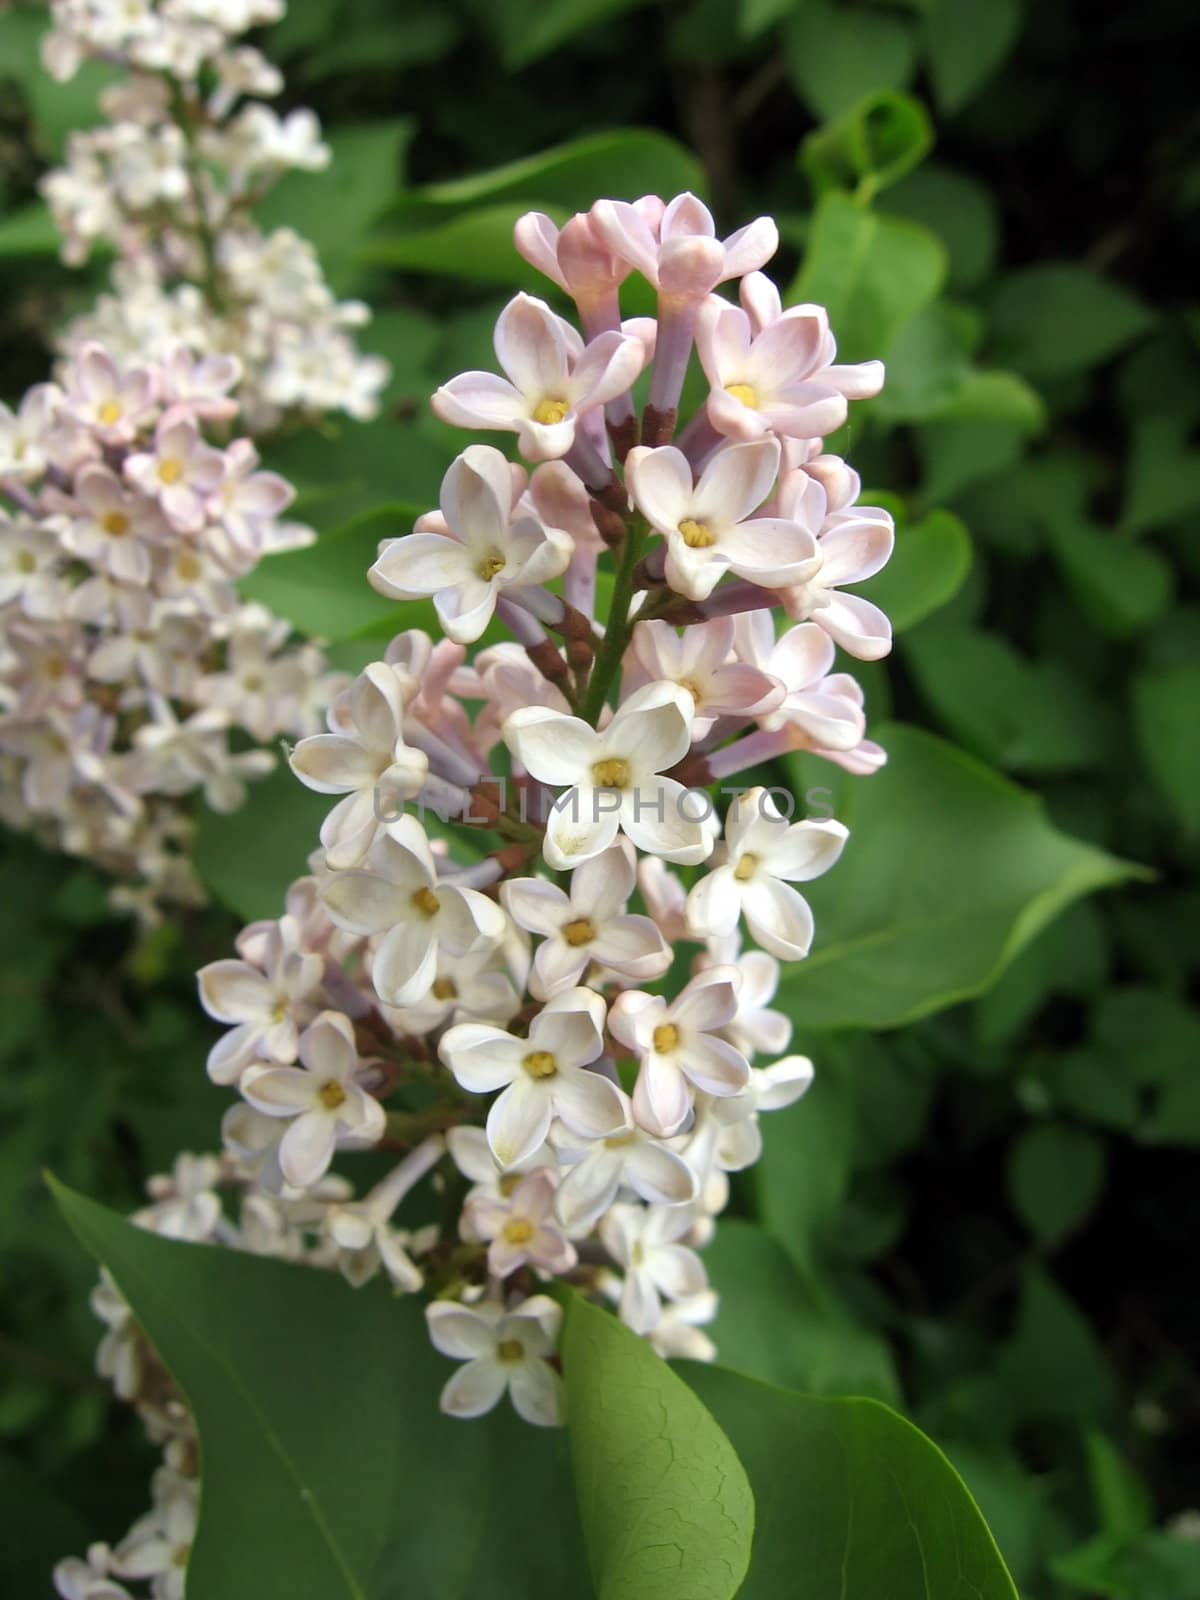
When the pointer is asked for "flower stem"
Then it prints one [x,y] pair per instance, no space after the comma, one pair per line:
[617,627]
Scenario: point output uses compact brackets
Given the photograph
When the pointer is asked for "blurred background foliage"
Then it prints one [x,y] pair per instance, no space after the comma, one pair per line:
[982,1210]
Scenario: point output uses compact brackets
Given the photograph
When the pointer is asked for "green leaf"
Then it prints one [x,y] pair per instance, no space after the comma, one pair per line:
[966,45]
[928,567]
[776,1325]
[1022,715]
[871,146]
[420,35]
[927,365]
[28,232]
[323,589]
[249,857]
[1053,320]
[1163,479]
[1123,1502]
[527,30]
[959,209]
[340,205]
[1053,1367]
[1165,706]
[623,163]
[950,870]
[755,16]
[854,1503]
[838,54]
[872,273]
[329,1473]
[1055,1177]
[476,245]
[665,1505]
[1120,587]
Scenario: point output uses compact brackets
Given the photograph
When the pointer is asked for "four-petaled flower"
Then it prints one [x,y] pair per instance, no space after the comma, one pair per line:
[503,1350]
[484,542]
[613,778]
[323,1097]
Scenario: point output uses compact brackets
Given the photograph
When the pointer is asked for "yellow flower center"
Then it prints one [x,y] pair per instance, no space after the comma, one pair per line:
[426,902]
[510,1350]
[618,1141]
[180,1556]
[579,932]
[490,566]
[170,471]
[696,535]
[612,773]
[744,393]
[508,1183]
[745,868]
[331,1095]
[666,1037]
[550,411]
[109,413]
[517,1231]
[637,1255]
[116,523]
[444,989]
[188,568]
[540,1064]
[25,561]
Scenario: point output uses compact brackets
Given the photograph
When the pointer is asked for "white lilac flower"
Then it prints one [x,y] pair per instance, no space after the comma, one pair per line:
[710,525]
[267,1004]
[588,925]
[503,1350]
[644,1241]
[158,1544]
[397,894]
[679,1047]
[482,544]
[764,856]
[614,778]
[542,1077]
[186,1204]
[363,1231]
[365,758]
[88,1579]
[519,1227]
[598,1171]
[323,1097]
[736,1142]
[553,380]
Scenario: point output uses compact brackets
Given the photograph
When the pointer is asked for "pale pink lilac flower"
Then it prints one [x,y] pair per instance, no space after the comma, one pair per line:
[520,1229]
[182,472]
[552,380]
[710,526]
[482,544]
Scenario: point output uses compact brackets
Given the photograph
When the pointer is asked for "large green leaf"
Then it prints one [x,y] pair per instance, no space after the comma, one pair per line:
[966,44]
[476,245]
[782,1327]
[928,568]
[853,1502]
[1165,715]
[949,871]
[329,1473]
[338,208]
[1055,319]
[248,858]
[837,55]
[622,163]
[323,589]
[871,272]
[665,1505]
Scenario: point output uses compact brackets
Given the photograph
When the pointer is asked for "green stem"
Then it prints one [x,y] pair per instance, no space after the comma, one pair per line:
[617,628]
